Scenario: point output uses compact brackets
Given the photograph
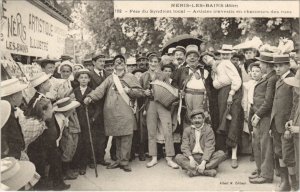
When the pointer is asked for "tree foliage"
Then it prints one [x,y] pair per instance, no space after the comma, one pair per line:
[96,20]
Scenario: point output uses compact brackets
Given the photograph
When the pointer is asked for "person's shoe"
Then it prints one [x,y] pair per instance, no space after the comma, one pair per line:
[234,163]
[142,157]
[294,183]
[92,166]
[82,171]
[254,174]
[260,180]
[113,165]
[70,175]
[151,163]
[192,173]
[210,172]
[61,187]
[172,164]
[103,162]
[284,175]
[126,168]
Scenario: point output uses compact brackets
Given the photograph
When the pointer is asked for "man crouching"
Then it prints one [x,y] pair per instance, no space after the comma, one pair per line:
[198,147]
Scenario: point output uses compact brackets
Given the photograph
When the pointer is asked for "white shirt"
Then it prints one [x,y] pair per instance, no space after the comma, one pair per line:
[195,83]
[98,72]
[83,89]
[227,74]
[197,148]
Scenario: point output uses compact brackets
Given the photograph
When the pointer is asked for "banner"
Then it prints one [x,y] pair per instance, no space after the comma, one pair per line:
[27,30]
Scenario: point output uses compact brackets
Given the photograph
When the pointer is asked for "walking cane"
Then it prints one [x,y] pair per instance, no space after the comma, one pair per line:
[91,139]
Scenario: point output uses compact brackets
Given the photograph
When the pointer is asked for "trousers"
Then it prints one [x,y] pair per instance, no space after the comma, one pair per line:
[216,158]
[159,115]
[194,102]
[123,149]
[263,148]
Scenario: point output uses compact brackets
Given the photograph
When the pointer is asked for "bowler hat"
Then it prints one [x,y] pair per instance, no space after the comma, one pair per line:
[196,112]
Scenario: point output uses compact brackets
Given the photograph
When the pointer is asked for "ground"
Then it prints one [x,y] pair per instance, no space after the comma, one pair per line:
[163,178]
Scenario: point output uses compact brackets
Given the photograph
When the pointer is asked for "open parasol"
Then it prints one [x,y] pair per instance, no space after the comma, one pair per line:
[182,40]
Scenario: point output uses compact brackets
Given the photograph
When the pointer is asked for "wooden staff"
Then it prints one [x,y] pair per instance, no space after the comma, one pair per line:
[91,139]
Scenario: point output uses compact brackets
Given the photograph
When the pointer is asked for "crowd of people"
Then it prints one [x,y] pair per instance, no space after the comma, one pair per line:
[221,95]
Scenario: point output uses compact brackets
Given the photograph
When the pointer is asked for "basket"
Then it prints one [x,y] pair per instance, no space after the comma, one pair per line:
[164,93]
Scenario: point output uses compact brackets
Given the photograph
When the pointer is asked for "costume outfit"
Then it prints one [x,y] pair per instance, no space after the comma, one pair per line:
[119,123]
[157,115]
[228,81]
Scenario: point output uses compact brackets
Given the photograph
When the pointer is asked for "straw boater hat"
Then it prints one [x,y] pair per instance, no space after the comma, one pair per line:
[11,86]
[131,61]
[171,51]
[196,112]
[68,63]
[97,56]
[281,58]
[16,174]
[192,49]
[65,104]
[80,65]
[265,57]
[293,81]
[5,112]
[39,79]
[82,71]
[226,49]
[179,48]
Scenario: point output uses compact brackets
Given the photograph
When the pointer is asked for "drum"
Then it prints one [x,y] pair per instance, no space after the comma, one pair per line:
[164,93]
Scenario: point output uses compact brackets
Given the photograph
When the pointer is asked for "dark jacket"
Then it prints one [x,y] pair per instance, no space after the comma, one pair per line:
[12,135]
[282,104]
[263,96]
[145,79]
[207,141]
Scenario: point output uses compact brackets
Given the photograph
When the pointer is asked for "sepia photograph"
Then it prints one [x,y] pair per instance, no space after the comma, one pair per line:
[141,95]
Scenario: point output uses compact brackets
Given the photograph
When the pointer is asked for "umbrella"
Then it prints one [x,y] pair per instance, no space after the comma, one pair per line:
[182,40]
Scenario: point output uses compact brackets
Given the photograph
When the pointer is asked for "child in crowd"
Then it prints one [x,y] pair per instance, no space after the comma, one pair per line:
[82,155]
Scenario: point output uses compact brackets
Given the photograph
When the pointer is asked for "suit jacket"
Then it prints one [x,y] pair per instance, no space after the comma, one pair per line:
[282,104]
[96,81]
[145,79]
[12,135]
[263,96]
[207,141]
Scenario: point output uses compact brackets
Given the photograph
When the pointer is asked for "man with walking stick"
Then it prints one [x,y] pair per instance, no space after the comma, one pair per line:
[121,90]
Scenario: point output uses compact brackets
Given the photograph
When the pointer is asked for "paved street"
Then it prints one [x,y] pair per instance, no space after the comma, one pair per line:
[163,178]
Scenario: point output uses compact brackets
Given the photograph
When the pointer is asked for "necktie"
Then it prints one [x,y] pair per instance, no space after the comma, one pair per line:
[101,74]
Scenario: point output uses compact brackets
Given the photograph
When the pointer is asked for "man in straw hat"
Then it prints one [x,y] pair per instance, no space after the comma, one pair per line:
[11,91]
[281,113]
[120,91]
[227,80]
[261,113]
[198,147]
[157,114]
[294,124]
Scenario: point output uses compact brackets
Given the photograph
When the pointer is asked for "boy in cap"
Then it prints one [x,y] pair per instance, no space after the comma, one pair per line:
[259,117]
[11,91]
[82,154]
[281,113]
[198,147]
